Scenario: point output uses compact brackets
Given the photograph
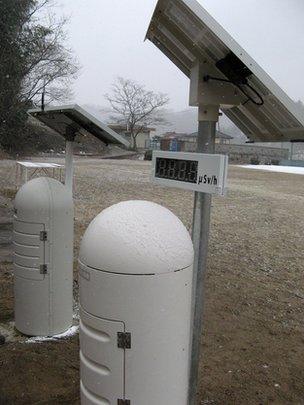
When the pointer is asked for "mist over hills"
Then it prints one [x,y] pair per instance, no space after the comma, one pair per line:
[186,122]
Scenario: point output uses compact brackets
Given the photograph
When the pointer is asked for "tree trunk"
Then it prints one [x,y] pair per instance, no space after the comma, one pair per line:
[134,143]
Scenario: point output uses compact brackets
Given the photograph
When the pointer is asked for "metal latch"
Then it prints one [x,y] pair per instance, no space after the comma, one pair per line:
[43,236]
[124,342]
[43,268]
[123,402]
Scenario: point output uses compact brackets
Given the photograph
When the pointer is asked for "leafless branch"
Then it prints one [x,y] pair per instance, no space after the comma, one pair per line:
[134,106]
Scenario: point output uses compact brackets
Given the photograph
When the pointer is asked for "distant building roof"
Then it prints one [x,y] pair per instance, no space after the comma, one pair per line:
[174,135]
[177,135]
[219,135]
[121,127]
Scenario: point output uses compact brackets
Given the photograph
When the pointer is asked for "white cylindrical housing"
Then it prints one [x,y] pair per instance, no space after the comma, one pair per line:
[135,262]
[43,257]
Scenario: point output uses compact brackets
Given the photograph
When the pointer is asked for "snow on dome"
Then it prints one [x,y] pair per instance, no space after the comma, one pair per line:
[39,195]
[137,237]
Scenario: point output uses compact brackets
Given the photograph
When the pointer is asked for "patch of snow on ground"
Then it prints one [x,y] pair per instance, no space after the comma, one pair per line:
[8,331]
[280,169]
[39,339]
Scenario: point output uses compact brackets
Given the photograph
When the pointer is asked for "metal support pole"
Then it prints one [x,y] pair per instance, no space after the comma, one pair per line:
[200,236]
[69,165]
[25,175]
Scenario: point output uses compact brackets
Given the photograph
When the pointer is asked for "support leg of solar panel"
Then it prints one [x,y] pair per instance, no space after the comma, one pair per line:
[17,175]
[69,165]
[291,150]
[25,175]
[200,236]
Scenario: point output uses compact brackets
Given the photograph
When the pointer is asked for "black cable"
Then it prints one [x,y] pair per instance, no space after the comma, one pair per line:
[256,93]
[217,79]
[249,98]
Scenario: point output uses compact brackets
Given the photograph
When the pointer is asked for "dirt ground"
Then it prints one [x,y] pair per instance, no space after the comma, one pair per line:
[253,340]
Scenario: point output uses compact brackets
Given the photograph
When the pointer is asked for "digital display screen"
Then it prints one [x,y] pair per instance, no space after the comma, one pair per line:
[175,169]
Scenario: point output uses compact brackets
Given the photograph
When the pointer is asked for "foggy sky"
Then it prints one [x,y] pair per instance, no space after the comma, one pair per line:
[108,39]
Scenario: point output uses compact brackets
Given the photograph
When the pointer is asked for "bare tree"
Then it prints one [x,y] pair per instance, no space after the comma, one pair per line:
[33,57]
[50,65]
[135,107]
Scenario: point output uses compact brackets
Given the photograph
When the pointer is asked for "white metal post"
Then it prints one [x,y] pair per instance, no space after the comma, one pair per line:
[208,117]
[17,175]
[25,175]
[291,150]
[69,165]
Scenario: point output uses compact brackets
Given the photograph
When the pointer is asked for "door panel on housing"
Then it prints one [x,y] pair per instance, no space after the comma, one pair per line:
[29,250]
[102,362]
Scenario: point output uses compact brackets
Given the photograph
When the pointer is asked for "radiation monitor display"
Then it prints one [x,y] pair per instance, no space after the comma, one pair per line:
[206,173]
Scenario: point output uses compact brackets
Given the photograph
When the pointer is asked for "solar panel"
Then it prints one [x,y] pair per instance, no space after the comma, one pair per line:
[185,32]
[74,120]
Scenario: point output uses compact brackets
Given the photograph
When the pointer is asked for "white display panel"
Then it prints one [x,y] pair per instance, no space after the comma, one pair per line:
[206,173]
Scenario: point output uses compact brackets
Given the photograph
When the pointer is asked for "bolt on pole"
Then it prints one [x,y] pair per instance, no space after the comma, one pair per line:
[208,117]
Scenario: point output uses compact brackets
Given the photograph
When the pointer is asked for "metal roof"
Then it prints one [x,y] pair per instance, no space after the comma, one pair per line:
[185,32]
[73,119]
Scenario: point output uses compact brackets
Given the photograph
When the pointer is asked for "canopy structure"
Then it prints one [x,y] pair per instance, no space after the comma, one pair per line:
[185,32]
[27,170]
[72,120]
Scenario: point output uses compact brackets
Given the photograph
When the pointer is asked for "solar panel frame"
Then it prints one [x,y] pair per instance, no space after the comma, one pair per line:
[185,32]
[80,121]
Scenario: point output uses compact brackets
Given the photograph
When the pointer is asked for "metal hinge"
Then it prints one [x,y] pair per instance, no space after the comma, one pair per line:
[123,402]
[124,340]
[43,236]
[43,268]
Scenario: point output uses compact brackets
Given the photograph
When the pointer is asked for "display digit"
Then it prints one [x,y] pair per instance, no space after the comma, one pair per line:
[162,168]
[171,170]
[182,170]
[193,172]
